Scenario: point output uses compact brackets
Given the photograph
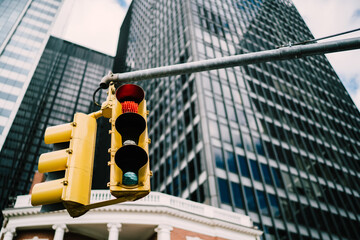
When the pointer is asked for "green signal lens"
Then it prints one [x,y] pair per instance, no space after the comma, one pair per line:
[130,178]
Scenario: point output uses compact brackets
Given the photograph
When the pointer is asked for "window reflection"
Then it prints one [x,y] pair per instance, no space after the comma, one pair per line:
[266,173]
[246,100]
[220,110]
[259,146]
[219,161]
[226,90]
[236,96]
[255,170]
[247,143]
[250,199]
[225,134]
[230,159]
[251,120]
[241,117]
[216,87]
[244,169]
[181,150]
[214,130]
[209,104]
[238,199]
[236,138]
[262,202]
[231,113]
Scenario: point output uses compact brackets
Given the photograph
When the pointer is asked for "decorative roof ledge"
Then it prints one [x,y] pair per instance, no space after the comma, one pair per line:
[156,208]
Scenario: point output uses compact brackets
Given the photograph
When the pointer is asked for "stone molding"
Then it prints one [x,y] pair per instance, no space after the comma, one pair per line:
[156,203]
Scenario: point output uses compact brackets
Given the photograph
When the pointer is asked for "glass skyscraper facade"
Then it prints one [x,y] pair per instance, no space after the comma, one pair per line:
[24,31]
[277,141]
[63,83]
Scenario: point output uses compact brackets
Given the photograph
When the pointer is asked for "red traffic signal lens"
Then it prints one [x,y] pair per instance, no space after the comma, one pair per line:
[130,92]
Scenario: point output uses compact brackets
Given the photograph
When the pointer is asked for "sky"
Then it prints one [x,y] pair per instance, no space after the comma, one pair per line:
[92,23]
[327,17]
[96,23]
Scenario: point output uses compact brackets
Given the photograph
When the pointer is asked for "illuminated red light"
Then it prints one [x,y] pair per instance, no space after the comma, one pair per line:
[129,106]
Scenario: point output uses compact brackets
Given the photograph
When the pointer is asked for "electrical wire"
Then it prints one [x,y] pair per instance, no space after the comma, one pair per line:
[94,97]
[318,39]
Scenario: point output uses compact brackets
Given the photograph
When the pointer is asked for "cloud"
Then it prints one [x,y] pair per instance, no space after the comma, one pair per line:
[351,83]
[96,24]
[327,17]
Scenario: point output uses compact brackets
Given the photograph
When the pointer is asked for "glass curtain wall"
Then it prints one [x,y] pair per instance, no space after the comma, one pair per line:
[24,32]
[64,82]
[277,141]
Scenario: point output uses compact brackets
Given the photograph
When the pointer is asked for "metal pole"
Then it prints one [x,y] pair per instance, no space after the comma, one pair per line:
[284,53]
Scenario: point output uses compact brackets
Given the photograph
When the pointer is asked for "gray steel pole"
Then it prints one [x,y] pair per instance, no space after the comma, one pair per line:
[284,53]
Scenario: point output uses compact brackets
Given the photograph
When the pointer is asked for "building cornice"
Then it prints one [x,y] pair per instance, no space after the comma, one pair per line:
[153,204]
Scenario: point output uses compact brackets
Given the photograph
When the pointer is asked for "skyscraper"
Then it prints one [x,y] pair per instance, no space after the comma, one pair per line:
[278,141]
[24,30]
[63,83]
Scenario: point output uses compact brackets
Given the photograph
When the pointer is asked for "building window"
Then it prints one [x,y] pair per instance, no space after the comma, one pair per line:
[238,199]
[259,146]
[248,143]
[176,186]
[230,159]
[181,150]
[174,159]
[189,142]
[266,173]
[236,138]
[220,110]
[191,168]
[225,134]
[214,129]
[219,160]
[224,191]
[255,170]
[250,199]
[244,169]
[209,102]
[274,205]
[252,122]
[262,202]
[231,113]
[183,179]
[241,117]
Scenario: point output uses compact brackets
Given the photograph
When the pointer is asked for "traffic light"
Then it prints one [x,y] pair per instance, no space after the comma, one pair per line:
[74,164]
[129,161]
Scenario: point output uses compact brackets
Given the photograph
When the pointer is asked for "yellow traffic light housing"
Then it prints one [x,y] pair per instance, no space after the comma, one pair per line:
[129,161]
[70,165]
[74,188]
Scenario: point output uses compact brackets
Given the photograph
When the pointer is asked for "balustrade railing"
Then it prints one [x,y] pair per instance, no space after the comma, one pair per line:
[160,200]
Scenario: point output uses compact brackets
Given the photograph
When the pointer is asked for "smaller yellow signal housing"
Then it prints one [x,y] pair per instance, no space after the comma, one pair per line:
[76,161]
